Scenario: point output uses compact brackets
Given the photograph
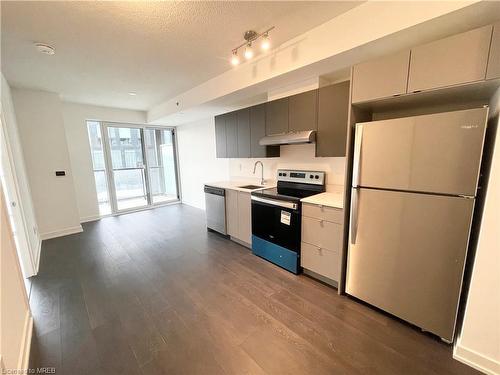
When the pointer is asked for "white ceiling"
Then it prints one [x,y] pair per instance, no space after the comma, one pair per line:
[157,49]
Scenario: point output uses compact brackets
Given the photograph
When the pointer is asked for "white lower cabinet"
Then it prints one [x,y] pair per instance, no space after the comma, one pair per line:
[232,212]
[239,215]
[244,217]
[321,245]
[320,260]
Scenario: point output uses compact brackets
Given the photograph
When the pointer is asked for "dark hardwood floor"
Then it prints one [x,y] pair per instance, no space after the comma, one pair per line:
[155,293]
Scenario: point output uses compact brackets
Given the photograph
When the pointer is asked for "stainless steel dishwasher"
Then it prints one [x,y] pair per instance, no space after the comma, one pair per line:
[215,202]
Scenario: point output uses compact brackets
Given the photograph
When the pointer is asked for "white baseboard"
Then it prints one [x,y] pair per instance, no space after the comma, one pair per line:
[476,360]
[86,219]
[24,355]
[62,232]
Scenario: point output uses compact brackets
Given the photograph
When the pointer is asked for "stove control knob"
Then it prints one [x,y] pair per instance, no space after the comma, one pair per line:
[316,177]
[311,176]
[284,174]
[280,174]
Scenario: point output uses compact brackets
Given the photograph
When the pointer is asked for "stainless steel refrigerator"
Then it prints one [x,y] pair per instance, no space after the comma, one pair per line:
[413,195]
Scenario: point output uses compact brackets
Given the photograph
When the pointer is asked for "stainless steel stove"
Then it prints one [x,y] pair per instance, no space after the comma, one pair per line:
[276,216]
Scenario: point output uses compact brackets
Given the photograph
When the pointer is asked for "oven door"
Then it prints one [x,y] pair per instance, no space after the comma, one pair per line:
[276,221]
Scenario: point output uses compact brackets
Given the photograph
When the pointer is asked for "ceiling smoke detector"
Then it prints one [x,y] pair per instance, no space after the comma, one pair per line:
[45,48]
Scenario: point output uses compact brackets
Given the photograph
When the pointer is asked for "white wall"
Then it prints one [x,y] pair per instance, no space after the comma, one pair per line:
[75,117]
[198,164]
[43,139]
[333,45]
[291,157]
[197,161]
[479,341]
[21,191]
[16,322]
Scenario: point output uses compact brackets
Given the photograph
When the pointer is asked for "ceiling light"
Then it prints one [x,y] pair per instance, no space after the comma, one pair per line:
[235,60]
[45,49]
[266,42]
[251,36]
[131,93]
[248,51]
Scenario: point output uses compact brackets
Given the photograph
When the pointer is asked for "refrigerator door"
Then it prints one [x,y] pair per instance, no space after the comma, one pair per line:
[438,153]
[407,254]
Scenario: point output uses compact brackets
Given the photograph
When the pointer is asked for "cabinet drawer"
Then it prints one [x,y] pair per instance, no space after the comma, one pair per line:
[451,61]
[321,233]
[322,261]
[335,215]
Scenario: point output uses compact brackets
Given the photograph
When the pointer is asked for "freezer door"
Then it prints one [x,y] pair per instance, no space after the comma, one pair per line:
[438,153]
[407,253]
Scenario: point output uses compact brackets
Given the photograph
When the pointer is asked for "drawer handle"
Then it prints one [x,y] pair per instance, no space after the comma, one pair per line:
[321,222]
[320,207]
[320,250]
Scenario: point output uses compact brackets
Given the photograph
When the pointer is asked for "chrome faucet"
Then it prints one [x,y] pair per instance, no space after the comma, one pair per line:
[262,181]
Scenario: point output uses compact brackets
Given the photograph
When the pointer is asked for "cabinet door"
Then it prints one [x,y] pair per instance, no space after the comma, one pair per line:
[451,61]
[303,111]
[232,135]
[244,217]
[243,133]
[333,111]
[494,59]
[220,136]
[232,212]
[381,78]
[258,131]
[277,116]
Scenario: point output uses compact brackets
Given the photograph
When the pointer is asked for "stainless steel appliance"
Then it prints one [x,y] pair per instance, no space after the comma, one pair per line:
[413,194]
[215,203]
[276,221]
[289,138]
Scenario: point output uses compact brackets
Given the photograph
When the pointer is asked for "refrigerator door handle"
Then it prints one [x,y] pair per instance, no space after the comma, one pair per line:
[354,215]
[356,170]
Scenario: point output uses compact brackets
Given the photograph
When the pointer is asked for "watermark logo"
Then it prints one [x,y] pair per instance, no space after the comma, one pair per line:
[38,370]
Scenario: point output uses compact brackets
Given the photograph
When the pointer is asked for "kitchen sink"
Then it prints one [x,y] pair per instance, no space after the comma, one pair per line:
[251,187]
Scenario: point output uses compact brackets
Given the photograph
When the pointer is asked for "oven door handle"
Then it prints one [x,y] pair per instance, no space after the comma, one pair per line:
[276,202]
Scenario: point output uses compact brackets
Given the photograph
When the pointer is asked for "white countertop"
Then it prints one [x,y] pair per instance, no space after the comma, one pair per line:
[335,200]
[235,185]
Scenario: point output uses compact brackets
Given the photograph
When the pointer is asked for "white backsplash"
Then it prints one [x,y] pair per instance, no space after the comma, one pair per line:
[300,157]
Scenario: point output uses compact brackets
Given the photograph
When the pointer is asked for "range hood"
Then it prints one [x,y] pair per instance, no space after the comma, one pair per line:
[290,138]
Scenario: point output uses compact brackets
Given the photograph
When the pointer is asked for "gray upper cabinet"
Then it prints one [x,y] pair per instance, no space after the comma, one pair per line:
[333,110]
[451,61]
[303,111]
[494,59]
[243,119]
[381,78]
[232,135]
[277,116]
[220,136]
[258,131]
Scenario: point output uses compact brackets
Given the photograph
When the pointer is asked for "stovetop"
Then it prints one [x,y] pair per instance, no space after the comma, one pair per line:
[294,185]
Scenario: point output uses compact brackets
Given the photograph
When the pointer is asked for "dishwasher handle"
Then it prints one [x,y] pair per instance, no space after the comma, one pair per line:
[214,190]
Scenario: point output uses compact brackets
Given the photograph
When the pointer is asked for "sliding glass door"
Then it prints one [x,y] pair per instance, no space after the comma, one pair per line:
[127,167]
[161,164]
[140,165]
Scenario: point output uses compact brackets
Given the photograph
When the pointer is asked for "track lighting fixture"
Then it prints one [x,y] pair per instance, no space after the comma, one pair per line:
[235,60]
[248,51]
[266,43]
[251,36]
